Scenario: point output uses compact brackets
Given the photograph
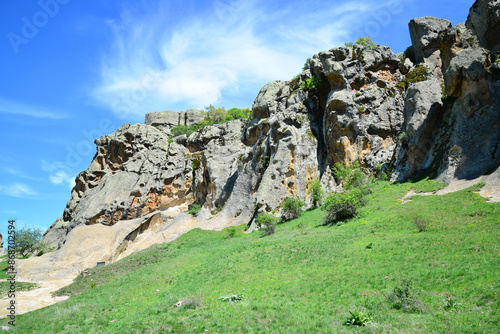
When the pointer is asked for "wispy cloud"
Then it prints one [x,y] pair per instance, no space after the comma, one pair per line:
[19,190]
[159,61]
[13,107]
[59,173]
[18,173]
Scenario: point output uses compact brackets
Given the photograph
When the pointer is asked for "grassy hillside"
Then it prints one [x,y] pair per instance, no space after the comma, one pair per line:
[306,277]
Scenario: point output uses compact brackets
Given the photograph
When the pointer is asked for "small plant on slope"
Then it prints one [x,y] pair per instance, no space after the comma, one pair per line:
[406,298]
[358,318]
[194,209]
[231,298]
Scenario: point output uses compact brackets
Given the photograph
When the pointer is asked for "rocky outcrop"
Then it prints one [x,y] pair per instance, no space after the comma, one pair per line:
[166,120]
[362,107]
[484,22]
[435,114]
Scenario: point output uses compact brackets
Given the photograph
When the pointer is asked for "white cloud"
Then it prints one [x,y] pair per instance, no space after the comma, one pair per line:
[19,190]
[159,61]
[59,173]
[12,107]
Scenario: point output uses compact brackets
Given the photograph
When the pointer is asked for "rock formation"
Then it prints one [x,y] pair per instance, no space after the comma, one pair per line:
[433,110]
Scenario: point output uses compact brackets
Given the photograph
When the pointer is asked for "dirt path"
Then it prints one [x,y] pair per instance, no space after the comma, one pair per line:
[27,301]
[490,190]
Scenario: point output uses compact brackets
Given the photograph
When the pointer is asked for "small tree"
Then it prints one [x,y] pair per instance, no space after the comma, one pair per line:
[28,241]
[365,42]
[316,191]
[215,115]
[350,176]
[267,222]
[292,208]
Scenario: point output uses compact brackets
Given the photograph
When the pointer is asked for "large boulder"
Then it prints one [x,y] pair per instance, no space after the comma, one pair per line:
[484,21]
[424,33]
[192,116]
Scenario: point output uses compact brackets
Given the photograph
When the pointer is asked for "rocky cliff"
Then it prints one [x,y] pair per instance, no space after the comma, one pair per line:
[433,110]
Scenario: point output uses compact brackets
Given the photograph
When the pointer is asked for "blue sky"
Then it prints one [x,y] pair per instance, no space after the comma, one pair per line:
[74,70]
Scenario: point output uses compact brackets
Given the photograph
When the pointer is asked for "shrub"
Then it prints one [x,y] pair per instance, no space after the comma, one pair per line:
[311,85]
[419,73]
[232,231]
[365,42]
[406,298]
[315,190]
[358,318]
[194,209]
[292,208]
[343,206]
[267,222]
[381,173]
[350,176]
[212,115]
[240,113]
[421,223]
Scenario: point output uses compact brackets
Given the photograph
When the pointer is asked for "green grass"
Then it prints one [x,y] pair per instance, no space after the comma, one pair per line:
[305,278]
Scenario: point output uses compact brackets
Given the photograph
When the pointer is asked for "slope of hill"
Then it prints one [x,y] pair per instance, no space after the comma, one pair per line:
[306,277]
[433,110]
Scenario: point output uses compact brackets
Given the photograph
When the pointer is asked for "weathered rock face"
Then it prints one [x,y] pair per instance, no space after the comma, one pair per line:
[455,136]
[484,22]
[362,109]
[166,120]
[361,105]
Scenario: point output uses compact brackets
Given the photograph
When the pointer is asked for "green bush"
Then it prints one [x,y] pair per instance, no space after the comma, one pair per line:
[421,223]
[194,209]
[267,222]
[405,297]
[350,176]
[213,115]
[315,190]
[292,208]
[419,73]
[365,42]
[343,206]
[381,173]
[311,85]
[240,113]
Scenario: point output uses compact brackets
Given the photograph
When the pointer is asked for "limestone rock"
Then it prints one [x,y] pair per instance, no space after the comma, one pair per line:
[363,109]
[484,21]
[193,116]
[265,104]
[424,33]
[468,64]
[423,108]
